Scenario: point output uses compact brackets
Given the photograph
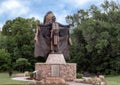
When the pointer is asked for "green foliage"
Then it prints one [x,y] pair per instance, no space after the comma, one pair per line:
[79,75]
[22,64]
[3,41]
[96,38]
[18,39]
[4,60]
[31,74]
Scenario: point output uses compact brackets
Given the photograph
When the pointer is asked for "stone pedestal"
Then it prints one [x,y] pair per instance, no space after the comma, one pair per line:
[56,66]
[55,59]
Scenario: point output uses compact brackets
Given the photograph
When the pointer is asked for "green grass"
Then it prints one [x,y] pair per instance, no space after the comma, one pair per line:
[113,80]
[5,79]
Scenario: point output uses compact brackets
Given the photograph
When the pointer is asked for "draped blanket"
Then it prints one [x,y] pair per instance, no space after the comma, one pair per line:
[42,46]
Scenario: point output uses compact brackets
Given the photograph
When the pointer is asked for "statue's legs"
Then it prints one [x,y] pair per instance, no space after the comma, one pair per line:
[55,45]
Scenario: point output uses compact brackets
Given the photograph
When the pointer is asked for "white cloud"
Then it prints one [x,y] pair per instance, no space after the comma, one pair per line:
[36,16]
[13,8]
[60,17]
[77,3]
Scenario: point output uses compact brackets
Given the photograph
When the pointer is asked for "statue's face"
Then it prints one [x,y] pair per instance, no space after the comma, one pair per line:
[50,18]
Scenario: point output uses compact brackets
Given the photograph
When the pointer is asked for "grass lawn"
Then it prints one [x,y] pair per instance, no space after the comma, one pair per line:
[113,80]
[5,79]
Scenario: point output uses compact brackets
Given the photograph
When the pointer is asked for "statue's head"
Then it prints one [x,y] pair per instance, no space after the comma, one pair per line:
[49,18]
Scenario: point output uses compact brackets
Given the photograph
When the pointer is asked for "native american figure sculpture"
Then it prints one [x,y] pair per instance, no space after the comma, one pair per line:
[52,37]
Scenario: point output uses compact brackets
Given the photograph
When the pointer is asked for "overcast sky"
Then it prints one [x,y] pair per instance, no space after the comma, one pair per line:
[10,9]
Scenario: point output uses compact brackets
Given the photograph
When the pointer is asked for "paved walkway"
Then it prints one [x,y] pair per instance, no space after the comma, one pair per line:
[21,79]
[69,82]
[74,83]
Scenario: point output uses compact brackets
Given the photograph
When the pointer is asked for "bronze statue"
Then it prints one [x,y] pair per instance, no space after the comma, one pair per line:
[52,37]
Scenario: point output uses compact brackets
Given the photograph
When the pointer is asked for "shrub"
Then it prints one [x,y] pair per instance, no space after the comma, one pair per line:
[79,75]
[31,74]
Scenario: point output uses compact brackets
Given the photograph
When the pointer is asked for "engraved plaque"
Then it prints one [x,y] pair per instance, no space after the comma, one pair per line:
[55,71]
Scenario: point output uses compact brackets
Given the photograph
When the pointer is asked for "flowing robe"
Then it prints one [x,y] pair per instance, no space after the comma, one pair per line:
[42,46]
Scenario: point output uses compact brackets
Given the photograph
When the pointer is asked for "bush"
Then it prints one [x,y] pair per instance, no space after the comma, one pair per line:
[31,74]
[79,75]
[22,64]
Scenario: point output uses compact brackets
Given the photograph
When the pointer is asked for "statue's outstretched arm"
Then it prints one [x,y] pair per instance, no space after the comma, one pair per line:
[36,34]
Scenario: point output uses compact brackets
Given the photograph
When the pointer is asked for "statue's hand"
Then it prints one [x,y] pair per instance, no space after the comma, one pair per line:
[36,38]
[38,27]
[70,41]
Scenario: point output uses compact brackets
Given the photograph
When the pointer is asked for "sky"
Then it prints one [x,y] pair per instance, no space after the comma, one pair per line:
[11,9]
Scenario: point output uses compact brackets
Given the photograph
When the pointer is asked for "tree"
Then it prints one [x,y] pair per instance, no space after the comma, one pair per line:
[3,41]
[96,38]
[5,60]
[19,33]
